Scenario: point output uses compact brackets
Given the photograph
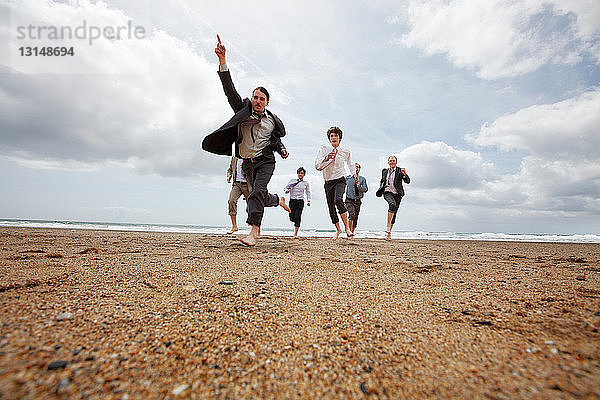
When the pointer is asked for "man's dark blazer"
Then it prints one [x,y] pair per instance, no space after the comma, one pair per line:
[220,141]
[397,181]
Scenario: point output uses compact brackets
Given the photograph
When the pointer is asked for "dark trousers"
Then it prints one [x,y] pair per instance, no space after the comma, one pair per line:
[334,193]
[296,205]
[353,207]
[393,202]
[260,170]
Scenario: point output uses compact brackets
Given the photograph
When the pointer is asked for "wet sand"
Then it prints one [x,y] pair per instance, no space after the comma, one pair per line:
[96,314]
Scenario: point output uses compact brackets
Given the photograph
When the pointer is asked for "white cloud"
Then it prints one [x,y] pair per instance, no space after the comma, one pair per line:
[503,38]
[563,185]
[567,129]
[147,103]
[562,169]
[438,165]
[445,180]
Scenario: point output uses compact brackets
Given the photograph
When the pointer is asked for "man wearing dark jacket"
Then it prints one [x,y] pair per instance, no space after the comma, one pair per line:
[390,187]
[256,133]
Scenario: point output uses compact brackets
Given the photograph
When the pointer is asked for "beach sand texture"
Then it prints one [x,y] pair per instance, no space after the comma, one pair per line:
[99,314]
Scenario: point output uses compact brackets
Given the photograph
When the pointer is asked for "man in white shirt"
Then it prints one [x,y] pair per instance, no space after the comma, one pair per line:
[331,160]
[297,188]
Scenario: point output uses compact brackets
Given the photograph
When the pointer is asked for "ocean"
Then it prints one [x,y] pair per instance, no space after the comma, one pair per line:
[221,230]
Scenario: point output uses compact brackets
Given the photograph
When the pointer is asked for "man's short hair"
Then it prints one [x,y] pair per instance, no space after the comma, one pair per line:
[262,89]
[336,130]
[394,157]
[301,169]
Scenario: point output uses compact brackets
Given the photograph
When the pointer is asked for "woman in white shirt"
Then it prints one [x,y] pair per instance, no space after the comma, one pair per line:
[331,160]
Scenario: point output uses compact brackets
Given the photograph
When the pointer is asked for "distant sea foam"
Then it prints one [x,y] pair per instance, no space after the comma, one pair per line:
[219,230]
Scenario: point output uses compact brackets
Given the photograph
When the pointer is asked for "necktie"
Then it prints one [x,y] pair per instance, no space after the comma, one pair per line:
[291,185]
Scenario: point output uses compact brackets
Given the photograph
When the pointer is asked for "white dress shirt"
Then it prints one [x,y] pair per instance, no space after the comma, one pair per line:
[256,131]
[333,169]
[298,189]
[239,175]
[389,186]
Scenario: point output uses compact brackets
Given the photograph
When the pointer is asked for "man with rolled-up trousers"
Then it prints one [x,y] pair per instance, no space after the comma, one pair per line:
[331,160]
[390,187]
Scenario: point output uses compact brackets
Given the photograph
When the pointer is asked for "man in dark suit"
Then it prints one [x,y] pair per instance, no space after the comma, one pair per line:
[256,133]
[390,187]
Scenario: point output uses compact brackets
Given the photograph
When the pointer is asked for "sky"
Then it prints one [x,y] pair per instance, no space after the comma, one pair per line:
[493,108]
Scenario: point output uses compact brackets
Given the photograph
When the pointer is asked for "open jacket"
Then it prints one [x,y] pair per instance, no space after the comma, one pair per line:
[400,176]
[220,141]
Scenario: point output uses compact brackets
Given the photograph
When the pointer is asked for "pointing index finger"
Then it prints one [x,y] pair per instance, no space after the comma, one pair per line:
[218,38]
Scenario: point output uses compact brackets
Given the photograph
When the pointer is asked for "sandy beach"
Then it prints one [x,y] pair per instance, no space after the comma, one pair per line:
[127,315]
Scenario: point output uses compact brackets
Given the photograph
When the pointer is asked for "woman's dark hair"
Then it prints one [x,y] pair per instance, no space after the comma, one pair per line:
[336,130]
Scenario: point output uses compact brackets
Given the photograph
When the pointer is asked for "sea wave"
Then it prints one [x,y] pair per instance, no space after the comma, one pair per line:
[220,230]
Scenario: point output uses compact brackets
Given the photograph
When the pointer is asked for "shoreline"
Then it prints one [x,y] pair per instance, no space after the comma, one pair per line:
[305,233]
[144,314]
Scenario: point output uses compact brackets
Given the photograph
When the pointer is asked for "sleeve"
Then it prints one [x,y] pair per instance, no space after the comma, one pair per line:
[349,163]
[229,172]
[307,191]
[320,162]
[233,97]
[363,184]
[406,178]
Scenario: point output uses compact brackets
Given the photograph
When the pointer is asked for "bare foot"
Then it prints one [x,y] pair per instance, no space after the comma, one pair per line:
[249,240]
[349,234]
[388,235]
[233,229]
[337,234]
[282,204]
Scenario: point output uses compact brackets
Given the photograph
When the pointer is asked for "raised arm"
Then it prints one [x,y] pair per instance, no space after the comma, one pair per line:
[233,97]
[220,52]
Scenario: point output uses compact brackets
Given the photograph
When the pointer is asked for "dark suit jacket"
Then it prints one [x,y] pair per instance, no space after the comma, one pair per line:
[397,182]
[220,141]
